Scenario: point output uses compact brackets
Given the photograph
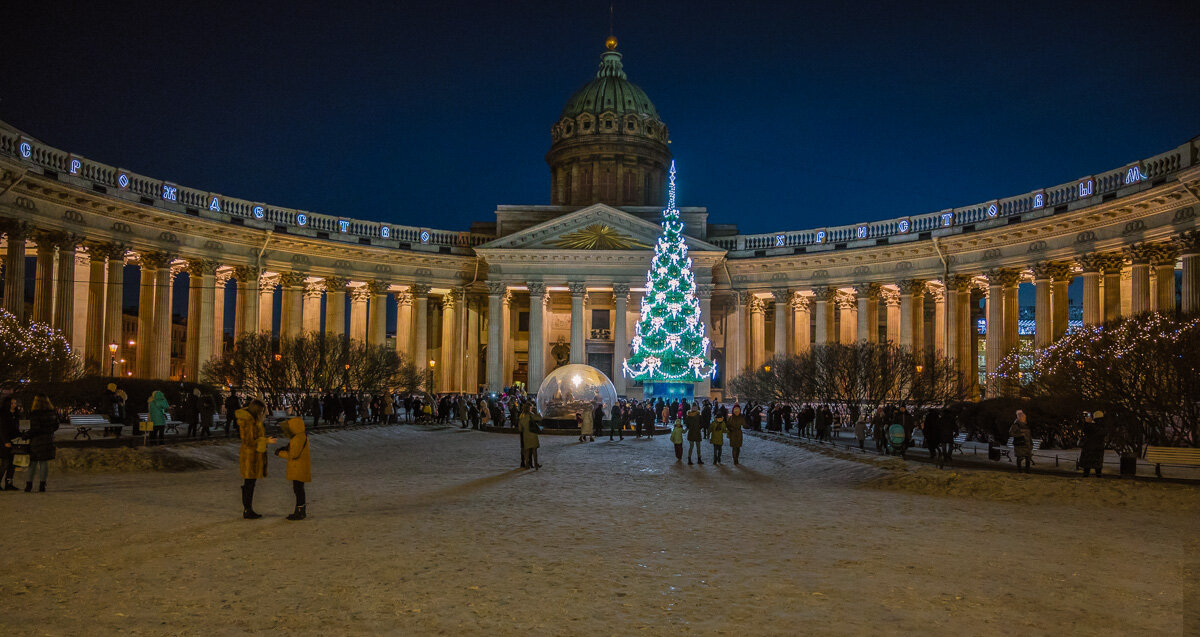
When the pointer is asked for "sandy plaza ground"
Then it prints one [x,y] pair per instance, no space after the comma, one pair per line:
[417,530]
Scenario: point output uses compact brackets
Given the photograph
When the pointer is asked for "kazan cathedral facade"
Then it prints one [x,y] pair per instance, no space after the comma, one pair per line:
[546,285]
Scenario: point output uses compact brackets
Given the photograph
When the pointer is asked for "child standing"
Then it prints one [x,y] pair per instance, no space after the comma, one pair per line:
[677,439]
[716,435]
[299,462]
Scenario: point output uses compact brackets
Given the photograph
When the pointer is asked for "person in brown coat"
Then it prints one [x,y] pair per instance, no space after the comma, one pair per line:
[299,463]
[252,459]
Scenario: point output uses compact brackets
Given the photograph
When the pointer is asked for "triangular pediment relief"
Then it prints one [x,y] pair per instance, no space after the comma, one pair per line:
[596,227]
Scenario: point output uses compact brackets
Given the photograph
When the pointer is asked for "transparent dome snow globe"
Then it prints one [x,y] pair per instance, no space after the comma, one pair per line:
[572,388]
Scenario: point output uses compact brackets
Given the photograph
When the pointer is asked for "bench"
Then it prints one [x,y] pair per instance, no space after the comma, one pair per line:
[1008,450]
[83,424]
[172,425]
[958,442]
[1174,456]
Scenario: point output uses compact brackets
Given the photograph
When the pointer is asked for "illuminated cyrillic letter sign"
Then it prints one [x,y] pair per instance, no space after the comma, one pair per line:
[26,150]
[214,205]
[301,219]
[385,232]
[820,236]
[424,236]
[258,212]
[1039,200]
[780,239]
[862,232]
[343,225]
[123,180]
[75,166]
[1133,175]
[947,219]
[903,226]
[992,210]
[1086,187]
[170,193]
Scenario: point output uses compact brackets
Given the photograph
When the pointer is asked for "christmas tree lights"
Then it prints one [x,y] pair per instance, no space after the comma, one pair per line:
[669,345]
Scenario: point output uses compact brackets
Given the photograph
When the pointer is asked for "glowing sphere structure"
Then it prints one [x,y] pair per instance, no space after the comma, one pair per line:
[572,388]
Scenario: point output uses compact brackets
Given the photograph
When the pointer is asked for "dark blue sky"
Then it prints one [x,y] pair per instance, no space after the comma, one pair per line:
[783,115]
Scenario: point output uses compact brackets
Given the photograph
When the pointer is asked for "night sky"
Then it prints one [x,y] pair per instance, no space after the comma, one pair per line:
[782,115]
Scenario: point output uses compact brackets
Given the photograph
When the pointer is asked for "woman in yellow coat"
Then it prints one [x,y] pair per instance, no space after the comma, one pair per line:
[252,458]
[299,462]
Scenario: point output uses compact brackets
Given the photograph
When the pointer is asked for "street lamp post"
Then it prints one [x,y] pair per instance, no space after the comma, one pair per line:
[112,359]
[429,382]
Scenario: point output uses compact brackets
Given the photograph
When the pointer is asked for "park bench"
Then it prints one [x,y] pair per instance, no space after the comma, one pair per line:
[84,423]
[1173,456]
[172,424]
[1008,451]
[958,442]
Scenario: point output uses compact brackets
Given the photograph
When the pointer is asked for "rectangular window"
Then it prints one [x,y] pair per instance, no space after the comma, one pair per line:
[600,320]
[522,321]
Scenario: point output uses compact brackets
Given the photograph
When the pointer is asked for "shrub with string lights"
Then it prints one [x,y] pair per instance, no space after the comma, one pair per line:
[34,353]
[669,345]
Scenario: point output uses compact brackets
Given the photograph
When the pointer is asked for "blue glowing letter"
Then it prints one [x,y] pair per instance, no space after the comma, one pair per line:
[214,205]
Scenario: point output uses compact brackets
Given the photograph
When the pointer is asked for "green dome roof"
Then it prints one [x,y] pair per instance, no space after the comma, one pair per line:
[610,91]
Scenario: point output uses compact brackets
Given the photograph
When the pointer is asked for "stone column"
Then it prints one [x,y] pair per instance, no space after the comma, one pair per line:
[578,344]
[848,308]
[1043,314]
[995,332]
[310,310]
[1060,275]
[160,363]
[704,291]
[335,308]
[14,268]
[291,307]
[359,296]
[508,364]
[96,356]
[43,283]
[114,294]
[939,320]
[1164,275]
[1140,255]
[245,316]
[1012,334]
[537,334]
[150,263]
[1111,269]
[220,279]
[868,312]
[782,296]
[266,303]
[823,299]
[801,323]
[64,287]
[891,307]
[473,359]
[958,320]
[1189,288]
[912,314]
[735,336]
[404,323]
[1092,311]
[420,294]
[495,348]
[201,292]
[377,313]
[450,336]
[758,346]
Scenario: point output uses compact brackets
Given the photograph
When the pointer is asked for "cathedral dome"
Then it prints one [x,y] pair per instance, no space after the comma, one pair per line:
[610,91]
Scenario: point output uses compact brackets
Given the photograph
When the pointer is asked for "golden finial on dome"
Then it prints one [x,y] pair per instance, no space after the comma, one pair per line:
[611,43]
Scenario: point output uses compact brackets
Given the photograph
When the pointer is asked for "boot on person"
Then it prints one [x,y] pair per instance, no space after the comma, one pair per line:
[8,486]
[28,487]
[41,487]
[298,514]
[248,504]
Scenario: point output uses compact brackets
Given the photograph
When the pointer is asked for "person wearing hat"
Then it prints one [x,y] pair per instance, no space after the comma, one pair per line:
[299,463]
[1091,448]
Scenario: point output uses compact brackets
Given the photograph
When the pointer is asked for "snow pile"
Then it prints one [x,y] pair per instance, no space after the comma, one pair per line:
[124,460]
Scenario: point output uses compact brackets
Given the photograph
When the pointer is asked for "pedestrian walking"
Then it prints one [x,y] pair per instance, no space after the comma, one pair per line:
[694,435]
[43,422]
[587,428]
[299,463]
[529,424]
[677,440]
[232,404]
[860,432]
[1022,441]
[1091,449]
[932,428]
[10,428]
[156,415]
[716,436]
[735,424]
[252,456]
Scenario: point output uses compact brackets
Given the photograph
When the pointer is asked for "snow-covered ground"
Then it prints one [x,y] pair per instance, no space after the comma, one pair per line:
[436,531]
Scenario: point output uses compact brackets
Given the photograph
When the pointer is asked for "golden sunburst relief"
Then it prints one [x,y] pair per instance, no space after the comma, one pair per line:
[597,237]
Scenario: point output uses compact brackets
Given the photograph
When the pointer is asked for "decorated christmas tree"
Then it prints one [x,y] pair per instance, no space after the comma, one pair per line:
[669,348]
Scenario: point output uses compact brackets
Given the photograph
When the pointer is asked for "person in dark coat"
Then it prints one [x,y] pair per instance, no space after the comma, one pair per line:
[43,422]
[933,435]
[694,436]
[208,410]
[10,427]
[232,404]
[1091,452]
[191,408]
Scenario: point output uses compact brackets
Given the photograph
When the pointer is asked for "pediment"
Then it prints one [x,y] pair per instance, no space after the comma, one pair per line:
[596,227]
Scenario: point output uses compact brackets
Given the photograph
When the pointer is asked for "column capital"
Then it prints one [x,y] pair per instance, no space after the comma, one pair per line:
[223,277]
[496,288]
[1105,262]
[909,287]
[313,289]
[756,305]
[15,229]
[536,289]
[360,294]
[267,283]
[377,287]
[154,260]
[104,250]
[292,279]
[738,298]
[622,290]
[847,300]
[403,298]
[869,290]
[1004,277]
[890,297]
[781,295]
[201,267]
[449,300]
[1165,253]
[959,283]
[824,293]
[577,289]
[245,273]
[419,290]
[1188,242]
[799,302]
[1051,270]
